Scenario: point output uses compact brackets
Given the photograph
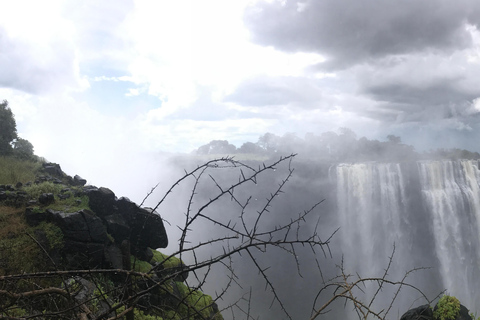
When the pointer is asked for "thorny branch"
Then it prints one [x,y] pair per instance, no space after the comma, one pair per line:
[243,229]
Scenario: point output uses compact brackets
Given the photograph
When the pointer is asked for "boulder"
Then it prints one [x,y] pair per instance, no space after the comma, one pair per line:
[148,230]
[46,198]
[117,227]
[53,169]
[126,208]
[79,181]
[420,313]
[101,201]
[426,313]
[144,254]
[81,226]
[83,255]
[35,218]
[114,257]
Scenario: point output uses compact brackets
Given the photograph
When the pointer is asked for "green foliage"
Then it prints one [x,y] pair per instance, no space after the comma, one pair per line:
[140,315]
[14,170]
[140,265]
[54,234]
[13,311]
[18,251]
[23,149]
[8,128]
[70,205]
[35,190]
[202,303]
[167,262]
[447,308]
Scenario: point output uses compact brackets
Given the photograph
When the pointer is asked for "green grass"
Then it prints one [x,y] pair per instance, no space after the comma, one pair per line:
[18,251]
[68,205]
[35,190]
[13,170]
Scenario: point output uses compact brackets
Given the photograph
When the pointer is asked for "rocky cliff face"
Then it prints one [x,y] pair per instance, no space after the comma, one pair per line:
[94,230]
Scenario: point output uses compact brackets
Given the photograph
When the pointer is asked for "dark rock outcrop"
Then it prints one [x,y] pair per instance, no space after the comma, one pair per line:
[147,230]
[46,198]
[101,201]
[425,312]
[83,226]
[78,181]
[420,313]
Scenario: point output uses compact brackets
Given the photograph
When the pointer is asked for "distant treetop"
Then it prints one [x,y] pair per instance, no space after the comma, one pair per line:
[334,147]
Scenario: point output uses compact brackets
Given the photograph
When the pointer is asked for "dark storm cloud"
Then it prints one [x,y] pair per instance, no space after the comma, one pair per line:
[348,32]
[421,89]
[408,58]
[34,69]
[271,91]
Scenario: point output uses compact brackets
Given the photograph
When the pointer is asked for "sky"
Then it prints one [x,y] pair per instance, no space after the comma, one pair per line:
[102,86]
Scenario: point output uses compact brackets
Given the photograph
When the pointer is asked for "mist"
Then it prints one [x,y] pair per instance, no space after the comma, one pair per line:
[316,178]
[129,95]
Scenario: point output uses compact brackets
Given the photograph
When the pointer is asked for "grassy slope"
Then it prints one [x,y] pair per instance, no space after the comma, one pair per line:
[21,254]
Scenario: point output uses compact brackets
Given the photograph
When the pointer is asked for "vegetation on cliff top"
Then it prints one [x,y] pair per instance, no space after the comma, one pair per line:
[26,291]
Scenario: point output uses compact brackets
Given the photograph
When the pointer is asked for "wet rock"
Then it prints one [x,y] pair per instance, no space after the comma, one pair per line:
[113,257]
[34,217]
[79,181]
[82,226]
[420,313]
[101,201]
[117,227]
[148,230]
[53,169]
[46,198]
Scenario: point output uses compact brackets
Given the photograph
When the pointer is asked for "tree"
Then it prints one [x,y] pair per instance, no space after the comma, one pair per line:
[8,128]
[217,147]
[269,142]
[249,147]
[23,149]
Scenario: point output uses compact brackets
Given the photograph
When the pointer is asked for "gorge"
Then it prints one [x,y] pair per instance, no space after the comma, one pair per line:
[427,212]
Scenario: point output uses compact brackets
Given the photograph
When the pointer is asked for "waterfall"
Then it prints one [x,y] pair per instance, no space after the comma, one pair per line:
[430,210]
[451,193]
[371,205]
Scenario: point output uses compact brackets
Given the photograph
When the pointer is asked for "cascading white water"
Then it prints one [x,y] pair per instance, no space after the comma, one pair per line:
[452,195]
[432,215]
[371,200]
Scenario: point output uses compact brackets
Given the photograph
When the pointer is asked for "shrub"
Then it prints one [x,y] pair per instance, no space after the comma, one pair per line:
[448,307]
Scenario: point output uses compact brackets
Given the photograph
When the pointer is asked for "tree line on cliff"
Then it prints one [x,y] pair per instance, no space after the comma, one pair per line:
[333,147]
[10,142]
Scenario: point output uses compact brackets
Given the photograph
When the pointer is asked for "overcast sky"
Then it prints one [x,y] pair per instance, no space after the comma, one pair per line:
[101,83]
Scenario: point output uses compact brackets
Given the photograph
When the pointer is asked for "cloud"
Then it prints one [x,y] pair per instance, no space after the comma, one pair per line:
[349,32]
[37,68]
[37,54]
[421,88]
[270,91]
